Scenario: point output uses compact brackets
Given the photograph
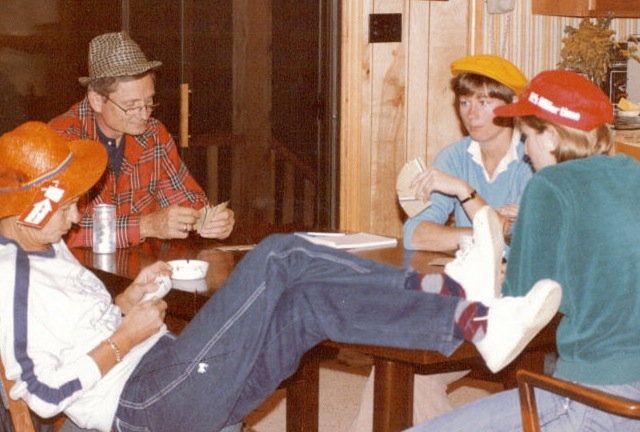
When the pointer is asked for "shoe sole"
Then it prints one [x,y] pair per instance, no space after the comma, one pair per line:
[546,294]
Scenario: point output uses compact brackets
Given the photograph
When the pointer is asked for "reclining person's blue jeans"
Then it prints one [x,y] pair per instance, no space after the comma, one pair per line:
[283,298]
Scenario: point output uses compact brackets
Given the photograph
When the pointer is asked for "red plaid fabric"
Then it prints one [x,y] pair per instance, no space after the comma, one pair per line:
[152,176]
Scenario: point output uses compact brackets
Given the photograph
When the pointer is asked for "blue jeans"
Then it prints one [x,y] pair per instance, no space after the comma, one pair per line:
[501,413]
[283,298]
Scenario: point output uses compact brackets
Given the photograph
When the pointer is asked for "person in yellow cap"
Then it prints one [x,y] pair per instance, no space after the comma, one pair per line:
[486,167]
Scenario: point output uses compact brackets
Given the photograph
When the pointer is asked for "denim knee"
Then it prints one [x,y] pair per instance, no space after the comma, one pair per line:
[232,428]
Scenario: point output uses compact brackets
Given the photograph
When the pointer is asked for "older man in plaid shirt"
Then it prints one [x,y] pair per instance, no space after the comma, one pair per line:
[154,194]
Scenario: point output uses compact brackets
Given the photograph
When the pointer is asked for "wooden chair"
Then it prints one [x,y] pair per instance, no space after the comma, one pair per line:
[528,380]
[19,411]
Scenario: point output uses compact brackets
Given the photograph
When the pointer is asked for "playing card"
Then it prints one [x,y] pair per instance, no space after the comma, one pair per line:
[208,212]
[407,195]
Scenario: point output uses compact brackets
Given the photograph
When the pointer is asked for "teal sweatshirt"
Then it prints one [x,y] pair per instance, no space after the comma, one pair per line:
[579,224]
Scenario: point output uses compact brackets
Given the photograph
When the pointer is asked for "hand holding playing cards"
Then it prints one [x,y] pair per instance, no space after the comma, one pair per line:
[215,221]
[174,221]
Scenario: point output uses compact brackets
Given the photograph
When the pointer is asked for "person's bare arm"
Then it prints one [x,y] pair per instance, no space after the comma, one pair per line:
[508,214]
[140,323]
[432,236]
[438,238]
[141,318]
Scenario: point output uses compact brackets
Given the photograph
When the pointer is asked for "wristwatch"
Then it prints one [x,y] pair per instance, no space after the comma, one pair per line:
[471,196]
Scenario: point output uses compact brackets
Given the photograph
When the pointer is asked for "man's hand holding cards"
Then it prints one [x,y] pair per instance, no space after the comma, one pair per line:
[207,214]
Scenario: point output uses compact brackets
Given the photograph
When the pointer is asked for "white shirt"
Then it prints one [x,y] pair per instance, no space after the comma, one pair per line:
[63,313]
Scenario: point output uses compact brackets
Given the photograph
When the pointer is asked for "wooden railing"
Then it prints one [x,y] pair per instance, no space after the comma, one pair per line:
[294,188]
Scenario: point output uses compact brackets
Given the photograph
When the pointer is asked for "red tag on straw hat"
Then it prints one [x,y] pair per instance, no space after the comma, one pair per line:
[44,205]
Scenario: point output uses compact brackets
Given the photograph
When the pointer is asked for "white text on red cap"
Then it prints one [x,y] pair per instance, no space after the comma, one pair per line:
[547,105]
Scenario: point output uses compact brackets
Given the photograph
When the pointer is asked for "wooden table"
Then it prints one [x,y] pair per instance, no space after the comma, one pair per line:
[395,368]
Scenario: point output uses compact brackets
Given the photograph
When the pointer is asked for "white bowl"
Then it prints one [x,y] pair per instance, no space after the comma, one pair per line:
[196,285]
[622,113]
[189,269]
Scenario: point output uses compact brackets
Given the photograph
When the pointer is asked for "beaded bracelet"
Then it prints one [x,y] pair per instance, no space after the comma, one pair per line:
[115,349]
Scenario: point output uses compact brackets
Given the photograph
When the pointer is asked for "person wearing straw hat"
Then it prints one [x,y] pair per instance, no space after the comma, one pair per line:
[484,168]
[112,364]
[578,224]
[151,187]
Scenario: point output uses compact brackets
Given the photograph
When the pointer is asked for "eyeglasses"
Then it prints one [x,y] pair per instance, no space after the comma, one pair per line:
[134,110]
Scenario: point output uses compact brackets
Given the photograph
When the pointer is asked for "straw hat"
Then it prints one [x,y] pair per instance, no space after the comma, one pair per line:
[562,97]
[116,55]
[494,67]
[40,171]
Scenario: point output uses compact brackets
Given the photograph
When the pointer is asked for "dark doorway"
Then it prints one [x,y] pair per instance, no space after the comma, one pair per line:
[195,41]
[305,92]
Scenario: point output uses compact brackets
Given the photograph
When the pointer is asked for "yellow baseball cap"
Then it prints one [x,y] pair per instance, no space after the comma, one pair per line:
[494,67]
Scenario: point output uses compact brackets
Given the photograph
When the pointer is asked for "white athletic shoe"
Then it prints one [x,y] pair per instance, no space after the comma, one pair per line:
[513,321]
[477,269]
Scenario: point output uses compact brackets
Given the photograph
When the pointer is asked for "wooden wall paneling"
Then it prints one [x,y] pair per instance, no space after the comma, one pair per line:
[276,183]
[212,174]
[448,41]
[251,110]
[289,174]
[388,122]
[475,25]
[309,203]
[355,77]
[363,182]
[417,72]
[401,90]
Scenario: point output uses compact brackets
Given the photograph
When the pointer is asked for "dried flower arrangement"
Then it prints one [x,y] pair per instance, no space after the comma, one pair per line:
[591,48]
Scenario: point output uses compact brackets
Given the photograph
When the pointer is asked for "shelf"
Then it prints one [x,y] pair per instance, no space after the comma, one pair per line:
[587,8]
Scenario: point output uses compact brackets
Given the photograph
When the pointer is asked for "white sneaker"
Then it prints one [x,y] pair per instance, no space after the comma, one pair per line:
[513,321]
[477,269]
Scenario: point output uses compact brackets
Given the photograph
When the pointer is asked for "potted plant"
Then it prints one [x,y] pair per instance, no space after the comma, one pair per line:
[590,49]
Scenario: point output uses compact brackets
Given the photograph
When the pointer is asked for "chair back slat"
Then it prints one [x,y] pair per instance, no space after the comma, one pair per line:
[18,409]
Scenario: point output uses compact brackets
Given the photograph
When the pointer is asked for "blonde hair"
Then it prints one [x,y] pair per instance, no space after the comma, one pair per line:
[574,143]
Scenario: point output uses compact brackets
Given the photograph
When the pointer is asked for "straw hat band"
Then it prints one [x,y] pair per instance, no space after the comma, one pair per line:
[44,177]
[40,171]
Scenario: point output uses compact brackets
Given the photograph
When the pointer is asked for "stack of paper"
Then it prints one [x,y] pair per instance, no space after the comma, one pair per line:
[349,241]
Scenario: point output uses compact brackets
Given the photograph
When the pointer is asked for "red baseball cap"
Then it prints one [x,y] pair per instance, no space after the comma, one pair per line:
[562,97]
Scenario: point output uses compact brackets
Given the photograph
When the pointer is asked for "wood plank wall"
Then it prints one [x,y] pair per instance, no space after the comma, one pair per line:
[252,187]
[396,100]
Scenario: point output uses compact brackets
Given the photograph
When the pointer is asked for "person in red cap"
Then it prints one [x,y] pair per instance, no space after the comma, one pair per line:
[487,167]
[578,224]
[147,181]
